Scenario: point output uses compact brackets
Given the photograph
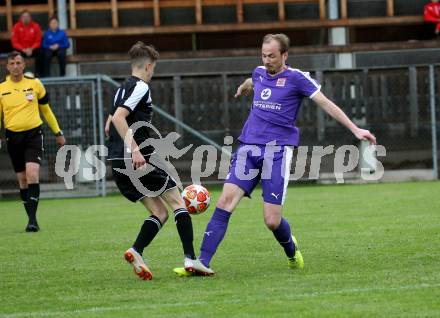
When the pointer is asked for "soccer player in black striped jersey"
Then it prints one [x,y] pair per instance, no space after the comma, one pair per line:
[132,105]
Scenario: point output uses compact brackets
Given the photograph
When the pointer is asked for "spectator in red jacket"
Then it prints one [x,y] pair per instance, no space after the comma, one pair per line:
[432,14]
[26,38]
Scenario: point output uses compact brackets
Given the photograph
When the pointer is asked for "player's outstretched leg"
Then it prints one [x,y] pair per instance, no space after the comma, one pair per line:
[139,266]
[215,231]
[214,234]
[148,232]
[193,267]
[217,226]
[297,261]
[133,255]
[182,219]
[285,238]
[185,229]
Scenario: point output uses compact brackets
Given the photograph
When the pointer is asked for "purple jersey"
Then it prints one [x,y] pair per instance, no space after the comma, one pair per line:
[276,103]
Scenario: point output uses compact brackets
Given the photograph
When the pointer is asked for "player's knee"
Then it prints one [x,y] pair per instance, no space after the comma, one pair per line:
[162,214]
[164,218]
[271,222]
[22,181]
[173,199]
[226,202]
[32,179]
[32,173]
[176,202]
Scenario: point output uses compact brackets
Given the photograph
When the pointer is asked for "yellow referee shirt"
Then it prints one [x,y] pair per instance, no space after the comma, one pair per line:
[21,102]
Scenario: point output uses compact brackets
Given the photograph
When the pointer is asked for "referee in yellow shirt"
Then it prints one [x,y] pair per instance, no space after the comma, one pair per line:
[21,100]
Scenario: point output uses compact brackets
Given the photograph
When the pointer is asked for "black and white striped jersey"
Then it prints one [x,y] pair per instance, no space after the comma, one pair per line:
[135,96]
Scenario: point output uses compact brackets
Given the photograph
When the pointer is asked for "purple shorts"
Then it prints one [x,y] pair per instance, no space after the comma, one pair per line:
[270,164]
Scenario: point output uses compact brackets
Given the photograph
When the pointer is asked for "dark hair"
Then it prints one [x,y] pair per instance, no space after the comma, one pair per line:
[54,17]
[281,38]
[13,55]
[141,52]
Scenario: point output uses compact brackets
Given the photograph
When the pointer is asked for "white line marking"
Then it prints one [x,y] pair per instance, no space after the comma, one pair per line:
[223,302]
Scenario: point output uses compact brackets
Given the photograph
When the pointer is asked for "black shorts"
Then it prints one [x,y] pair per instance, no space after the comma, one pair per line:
[24,146]
[155,182]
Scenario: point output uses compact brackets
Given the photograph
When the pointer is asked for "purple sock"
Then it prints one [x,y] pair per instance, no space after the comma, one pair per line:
[214,233]
[284,236]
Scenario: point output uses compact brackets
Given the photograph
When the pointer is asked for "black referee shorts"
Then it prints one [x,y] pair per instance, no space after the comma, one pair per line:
[155,182]
[24,146]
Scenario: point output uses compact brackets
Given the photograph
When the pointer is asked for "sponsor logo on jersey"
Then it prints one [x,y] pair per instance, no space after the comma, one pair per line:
[265,93]
[281,82]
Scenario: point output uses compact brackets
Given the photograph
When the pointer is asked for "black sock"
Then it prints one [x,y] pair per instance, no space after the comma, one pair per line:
[185,229]
[32,201]
[24,198]
[148,231]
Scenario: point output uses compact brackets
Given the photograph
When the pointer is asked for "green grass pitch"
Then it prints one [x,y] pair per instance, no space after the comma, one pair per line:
[369,250]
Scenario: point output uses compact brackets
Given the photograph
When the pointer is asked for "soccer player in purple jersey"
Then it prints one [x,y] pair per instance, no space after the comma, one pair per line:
[266,145]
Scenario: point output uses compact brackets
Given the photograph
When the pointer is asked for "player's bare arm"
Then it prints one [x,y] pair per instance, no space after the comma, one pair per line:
[107,126]
[245,88]
[333,110]
[120,122]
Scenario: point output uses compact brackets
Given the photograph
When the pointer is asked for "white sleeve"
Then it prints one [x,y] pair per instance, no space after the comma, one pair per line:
[138,93]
